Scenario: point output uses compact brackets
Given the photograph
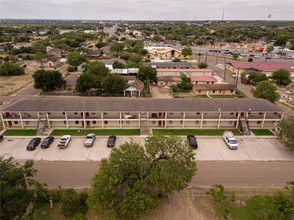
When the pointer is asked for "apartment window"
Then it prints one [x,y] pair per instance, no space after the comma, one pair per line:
[220,91]
[127,122]
[64,122]
[94,122]
[106,122]
[196,122]
[63,113]
[231,113]
[275,113]
[93,113]
[199,91]
[170,122]
[16,122]
[260,113]
[104,113]
[198,113]
[29,116]
[75,113]
[232,90]
[213,91]
[230,122]
[258,122]
[77,122]
[170,113]
[204,122]
[181,122]
[49,113]
[27,123]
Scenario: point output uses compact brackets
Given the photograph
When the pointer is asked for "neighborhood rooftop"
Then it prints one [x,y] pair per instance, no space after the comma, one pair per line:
[169,64]
[266,67]
[60,104]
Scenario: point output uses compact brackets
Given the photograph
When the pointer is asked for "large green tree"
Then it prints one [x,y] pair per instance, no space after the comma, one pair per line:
[147,73]
[75,59]
[187,51]
[48,80]
[86,82]
[266,90]
[286,133]
[114,84]
[15,194]
[255,76]
[130,181]
[97,68]
[282,77]
[11,69]
[185,85]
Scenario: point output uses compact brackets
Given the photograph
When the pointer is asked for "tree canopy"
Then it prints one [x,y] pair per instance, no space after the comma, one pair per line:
[147,73]
[114,84]
[286,133]
[130,181]
[97,68]
[48,80]
[187,51]
[255,76]
[282,77]
[86,82]
[266,90]
[11,69]
[185,85]
[14,182]
[75,59]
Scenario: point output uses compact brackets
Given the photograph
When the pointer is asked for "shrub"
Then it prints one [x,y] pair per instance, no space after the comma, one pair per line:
[202,65]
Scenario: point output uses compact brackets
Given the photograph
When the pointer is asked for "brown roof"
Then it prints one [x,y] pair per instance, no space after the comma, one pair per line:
[265,67]
[74,104]
[215,86]
[138,84]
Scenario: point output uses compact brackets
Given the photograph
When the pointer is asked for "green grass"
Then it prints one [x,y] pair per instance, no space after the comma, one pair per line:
[262,132]
[46,213]
[200,132]
[241,213]
[75,132]
[20,132]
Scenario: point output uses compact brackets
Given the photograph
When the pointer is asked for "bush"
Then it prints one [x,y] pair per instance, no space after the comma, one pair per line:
[202,65]
[250,59]
[240,94]
[70,202]
[71,69]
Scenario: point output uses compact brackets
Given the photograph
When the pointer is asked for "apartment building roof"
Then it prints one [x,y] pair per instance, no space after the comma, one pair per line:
[215,86]
[71,104]
[169,64]
[265,67]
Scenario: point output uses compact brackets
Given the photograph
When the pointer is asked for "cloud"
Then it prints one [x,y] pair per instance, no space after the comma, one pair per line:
[147,9]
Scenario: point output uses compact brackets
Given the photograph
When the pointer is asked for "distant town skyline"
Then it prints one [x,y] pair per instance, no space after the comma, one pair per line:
[148,9]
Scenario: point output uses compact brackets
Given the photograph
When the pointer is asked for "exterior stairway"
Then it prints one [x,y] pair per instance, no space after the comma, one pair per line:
[144,130]
[41,126]
[244,127]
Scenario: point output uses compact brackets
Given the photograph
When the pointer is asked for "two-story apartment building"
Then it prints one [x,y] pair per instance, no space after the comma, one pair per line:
[140,113]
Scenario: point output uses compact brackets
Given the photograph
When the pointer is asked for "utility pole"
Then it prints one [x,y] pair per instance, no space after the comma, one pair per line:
[237,76]
[225,65]
[206,57]
[216,57]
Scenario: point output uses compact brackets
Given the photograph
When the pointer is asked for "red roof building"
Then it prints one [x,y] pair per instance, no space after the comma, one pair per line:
[203,80]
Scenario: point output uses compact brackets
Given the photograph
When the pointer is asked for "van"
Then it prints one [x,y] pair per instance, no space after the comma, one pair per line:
[230,140]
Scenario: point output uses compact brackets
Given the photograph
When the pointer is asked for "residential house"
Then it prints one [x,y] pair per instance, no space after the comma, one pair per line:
[93,55]
[214,89]
[97,113]
[51,62]
[267,68]
[169,65]
[203,80]
[168,80]
[70,82]
[187,72]
[56,52]
[134,88]
[163,53]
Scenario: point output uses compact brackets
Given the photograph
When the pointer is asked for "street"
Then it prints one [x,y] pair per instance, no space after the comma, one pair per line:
[231,174]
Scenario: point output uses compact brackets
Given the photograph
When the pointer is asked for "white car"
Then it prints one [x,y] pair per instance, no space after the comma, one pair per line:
[230,140]
[89,141]
[64,141]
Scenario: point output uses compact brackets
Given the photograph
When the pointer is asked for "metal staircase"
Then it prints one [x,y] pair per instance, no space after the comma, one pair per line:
[244,127]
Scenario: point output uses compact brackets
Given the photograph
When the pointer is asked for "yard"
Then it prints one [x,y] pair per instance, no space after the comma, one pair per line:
[261,132]
[10,84]
[101,132]
[200,132]
[20,132]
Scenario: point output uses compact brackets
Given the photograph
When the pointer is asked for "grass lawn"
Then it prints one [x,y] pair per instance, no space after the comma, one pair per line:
[46,213]
[20,132]
[60,132]
[242,213]
[203,132]
[262,132]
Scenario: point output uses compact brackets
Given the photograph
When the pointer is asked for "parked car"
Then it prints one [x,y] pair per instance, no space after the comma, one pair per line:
[111,141]
[1,138]
[230,140]
[89,141]
[33,143]
[47,142]
[64,141]
[192,141]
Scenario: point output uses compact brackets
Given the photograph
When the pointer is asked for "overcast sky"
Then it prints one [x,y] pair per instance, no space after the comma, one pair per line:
[148,9]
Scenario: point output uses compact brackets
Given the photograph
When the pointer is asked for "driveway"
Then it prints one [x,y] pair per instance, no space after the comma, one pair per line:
[160,92]
[210,149]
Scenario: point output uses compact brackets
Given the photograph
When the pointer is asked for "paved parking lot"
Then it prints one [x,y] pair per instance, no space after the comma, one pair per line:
[210,149]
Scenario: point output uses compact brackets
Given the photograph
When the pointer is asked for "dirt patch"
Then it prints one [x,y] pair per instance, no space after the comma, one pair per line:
[10,84]
[160,92]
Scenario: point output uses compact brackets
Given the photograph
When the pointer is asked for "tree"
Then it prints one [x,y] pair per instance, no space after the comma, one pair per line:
[202,65]
[73,203]
[282,77]
[147,73]
[187,51]
[235,56]
[250,59]
[266,90]
[134,61]
[97,68]
[255,76]
[269,48]
[14,187]
[48,80]
[286,133]
[130,181]
[100,45]
[75,59]
[217,193]
[118,65]
[290,186]
[117,47]
[86,82]
[11,69]
[114,84]
[185,85]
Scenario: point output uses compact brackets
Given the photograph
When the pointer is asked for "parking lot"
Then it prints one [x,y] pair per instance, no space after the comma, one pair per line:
[209,149]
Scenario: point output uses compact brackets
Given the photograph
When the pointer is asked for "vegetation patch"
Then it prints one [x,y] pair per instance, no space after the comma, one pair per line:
[20,132]
[260,132]
[77,132]
[200,132]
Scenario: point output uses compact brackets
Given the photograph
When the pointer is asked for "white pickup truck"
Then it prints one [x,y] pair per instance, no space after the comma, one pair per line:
[64,141]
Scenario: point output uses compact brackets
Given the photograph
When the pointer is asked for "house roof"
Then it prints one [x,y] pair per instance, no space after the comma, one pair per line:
[53,59]
[138,84]
[72,79]
[93,53]
[55,50]
[215,86]
[74,104]
[203,79]
[169,78]
[184,70]
[169,64]
[265,67]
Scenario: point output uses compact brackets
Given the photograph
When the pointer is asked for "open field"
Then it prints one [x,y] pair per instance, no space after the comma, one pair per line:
[10,84]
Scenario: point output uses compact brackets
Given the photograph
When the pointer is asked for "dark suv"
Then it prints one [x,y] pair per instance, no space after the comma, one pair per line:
[192,141]
[47,142]
[1,138]
[33,143]
[111,141]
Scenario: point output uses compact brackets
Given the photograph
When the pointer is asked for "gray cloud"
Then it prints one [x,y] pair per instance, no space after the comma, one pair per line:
[148,9]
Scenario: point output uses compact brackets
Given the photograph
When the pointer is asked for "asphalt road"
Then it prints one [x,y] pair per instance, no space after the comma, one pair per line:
[231,174]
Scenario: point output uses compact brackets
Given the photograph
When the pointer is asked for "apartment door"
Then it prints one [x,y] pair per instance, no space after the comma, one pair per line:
[159,123]
[9,123]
